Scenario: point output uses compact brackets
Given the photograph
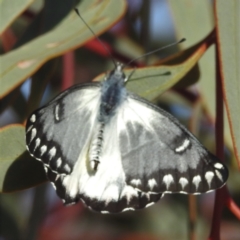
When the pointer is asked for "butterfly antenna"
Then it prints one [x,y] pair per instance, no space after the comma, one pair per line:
[107,50]
[156,50]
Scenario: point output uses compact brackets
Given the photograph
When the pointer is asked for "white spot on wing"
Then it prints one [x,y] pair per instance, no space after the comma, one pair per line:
[219,175]
[52,152]
[152,183]
[43,149]
[33,134]
[136,182]
[129,192]
[37,143]
[128,209]
[209,176]
[57,112]
[33,118]
[168,179]
[196,180]
[57,177]
[73,188]
[65,181]
[105,212]
[29,128]
[67,168]
[149,204]
[183,146]
[218,165]
[45,168]
[59,162]
[183,181]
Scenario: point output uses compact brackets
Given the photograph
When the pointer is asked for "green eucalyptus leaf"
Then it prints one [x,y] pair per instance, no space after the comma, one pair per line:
[150,82]
[10,10]
[18,64]
[17,169]
[229,44]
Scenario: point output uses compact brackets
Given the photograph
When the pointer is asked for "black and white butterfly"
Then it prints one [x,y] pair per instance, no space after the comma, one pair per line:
[116,151]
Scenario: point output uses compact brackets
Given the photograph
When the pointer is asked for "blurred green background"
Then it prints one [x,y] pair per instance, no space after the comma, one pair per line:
[46,48]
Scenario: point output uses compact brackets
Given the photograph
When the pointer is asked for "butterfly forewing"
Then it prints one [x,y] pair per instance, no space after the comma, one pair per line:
[160,155]
[51,130]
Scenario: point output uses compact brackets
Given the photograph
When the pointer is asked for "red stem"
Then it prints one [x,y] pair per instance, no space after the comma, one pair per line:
[95,46]
[232,206]
[68,70]
[220,197]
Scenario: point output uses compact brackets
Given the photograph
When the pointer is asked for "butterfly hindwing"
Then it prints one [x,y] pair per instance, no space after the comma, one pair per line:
[105,188]
[160,155]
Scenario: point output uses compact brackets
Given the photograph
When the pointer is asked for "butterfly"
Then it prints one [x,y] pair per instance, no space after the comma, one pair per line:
[115,151]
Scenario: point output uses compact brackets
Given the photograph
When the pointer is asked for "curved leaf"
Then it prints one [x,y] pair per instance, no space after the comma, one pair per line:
[193,20]
[10,10]
[200,12]
[229,48]
[17,169]
[19,64]
[150,82]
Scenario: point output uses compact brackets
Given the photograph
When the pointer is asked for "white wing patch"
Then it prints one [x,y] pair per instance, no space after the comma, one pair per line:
[196,180]
[57,112]
[219,175]
[33,118]
[218,165]
[72,183]
[59,162]
[107,184]
[183,181]
[152,183]
[67,168]
[183,147]
[37,143]
[168,179]
[111,194]
[33,134]
[52,152]
[209,176]
[43,149]
[109,172]
[136,182]
[129,192]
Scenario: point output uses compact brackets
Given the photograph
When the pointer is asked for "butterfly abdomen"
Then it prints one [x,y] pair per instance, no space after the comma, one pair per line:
[96,147]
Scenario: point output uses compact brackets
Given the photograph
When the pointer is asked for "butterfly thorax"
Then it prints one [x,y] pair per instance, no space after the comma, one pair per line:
[113,93]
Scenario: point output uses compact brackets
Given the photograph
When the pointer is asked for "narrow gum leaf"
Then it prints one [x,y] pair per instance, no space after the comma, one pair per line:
[228,36]
[150,82]
[10,10]
[19,64]
[17,169]
[193,31]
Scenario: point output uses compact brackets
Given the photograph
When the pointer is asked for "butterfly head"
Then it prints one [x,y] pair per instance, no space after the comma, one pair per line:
[117,74]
